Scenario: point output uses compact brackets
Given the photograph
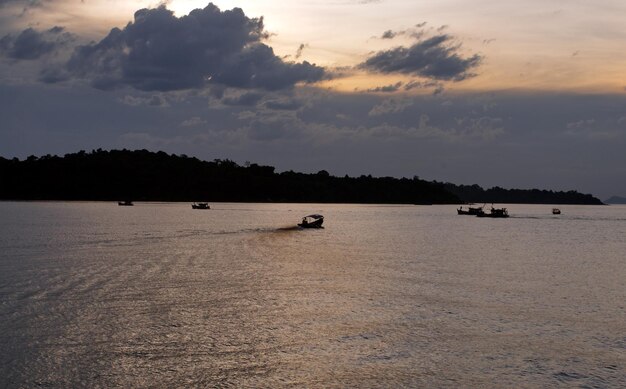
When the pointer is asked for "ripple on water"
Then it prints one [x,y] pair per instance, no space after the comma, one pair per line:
[240,297]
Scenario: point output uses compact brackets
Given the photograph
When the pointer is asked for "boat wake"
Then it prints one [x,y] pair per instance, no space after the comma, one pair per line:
[287,229]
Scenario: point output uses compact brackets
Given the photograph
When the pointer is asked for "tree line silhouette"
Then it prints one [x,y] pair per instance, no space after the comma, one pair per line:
[476,194]
[142,175]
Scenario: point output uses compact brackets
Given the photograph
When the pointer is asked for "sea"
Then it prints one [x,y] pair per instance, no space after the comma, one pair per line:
[159,295]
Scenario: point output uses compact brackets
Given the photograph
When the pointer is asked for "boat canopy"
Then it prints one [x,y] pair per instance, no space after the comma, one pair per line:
[315,216]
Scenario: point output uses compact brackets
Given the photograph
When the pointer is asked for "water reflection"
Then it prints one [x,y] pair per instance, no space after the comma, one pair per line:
[160,295]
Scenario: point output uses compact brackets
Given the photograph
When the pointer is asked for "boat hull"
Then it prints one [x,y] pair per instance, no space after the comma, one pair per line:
[495,213]
[470,211]
[315,224]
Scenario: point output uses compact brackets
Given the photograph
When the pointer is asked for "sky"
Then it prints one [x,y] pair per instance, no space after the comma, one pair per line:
[497,93]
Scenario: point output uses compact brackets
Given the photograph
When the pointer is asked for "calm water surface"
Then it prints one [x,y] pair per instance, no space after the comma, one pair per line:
[160,295]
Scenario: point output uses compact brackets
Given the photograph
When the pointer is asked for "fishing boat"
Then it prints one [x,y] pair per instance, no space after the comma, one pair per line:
[470,210]
[127,203]
[495,212]
[200,206]
[312,221]
[556,211]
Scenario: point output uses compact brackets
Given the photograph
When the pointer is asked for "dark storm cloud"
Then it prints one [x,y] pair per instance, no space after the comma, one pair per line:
[31,44]
[159,51]
[435,58]
[256,66]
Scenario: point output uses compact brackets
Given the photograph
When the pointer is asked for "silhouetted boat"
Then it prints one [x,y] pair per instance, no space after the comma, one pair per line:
[470,210]
[495,212]
[556,211]
[200,206]
[312,221]
[127,203]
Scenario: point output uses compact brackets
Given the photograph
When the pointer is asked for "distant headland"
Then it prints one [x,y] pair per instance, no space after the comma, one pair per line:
[142,175]
[616,200]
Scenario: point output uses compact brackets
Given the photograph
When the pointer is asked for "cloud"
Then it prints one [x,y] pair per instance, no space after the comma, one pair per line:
[387,88]
[434,58]
[244,99]
[417,32]
[193,122]
[256,66]
[300,49]
[581,124]
[389,34]
[25,4]
[483,128]
[414,84]
[595,130]
[161,52]
[283,104]
[31,44]
[151,101]
[390,106]
[263,126]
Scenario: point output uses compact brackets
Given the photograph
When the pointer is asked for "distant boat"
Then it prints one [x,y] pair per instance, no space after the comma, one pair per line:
[127,203]
[495,212]
[312,221]
[200,206]
[470,210]
[556,211]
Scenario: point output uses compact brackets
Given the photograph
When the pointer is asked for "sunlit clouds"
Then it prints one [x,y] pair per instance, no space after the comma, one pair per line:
[527,45]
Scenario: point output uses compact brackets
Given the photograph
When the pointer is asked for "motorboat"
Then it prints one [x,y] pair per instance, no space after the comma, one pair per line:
[200,206]
[312,221]
[470,210]
[495,212]
[127,203]
[556,211]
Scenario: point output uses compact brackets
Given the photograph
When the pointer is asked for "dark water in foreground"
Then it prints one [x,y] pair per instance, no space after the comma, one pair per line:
[160,295]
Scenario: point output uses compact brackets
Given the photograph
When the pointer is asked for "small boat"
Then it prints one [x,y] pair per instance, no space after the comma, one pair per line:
[470,210]
[495,212]
[200,206]
[127,203]
[556,211]
[312,221]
